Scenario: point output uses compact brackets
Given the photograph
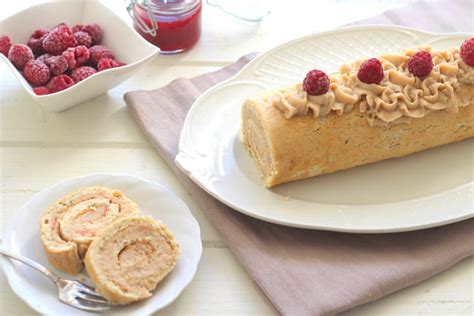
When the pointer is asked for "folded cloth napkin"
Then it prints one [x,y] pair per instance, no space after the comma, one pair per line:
[309,272]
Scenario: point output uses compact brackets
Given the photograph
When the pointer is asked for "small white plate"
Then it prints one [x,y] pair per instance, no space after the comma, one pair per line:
[22,236]
[422,190]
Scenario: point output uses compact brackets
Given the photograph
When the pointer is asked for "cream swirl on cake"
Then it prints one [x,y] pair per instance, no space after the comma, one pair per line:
[398,98]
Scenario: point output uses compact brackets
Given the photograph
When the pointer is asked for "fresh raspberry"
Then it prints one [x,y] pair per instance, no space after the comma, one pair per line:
[420,64]
[370,71]
[19,55]
[59,83]
[57,64]
[61,26]
[82,73]
[43,57]
[77,28]
[316,82]
[467,51]
[98,52]
[36,73]
[107,63]
[76,56]
[83,38]
[41,90]
[39,33]
[5,44]
[70,55]
[58,40]
[94,31]
[36,41]
[82,54]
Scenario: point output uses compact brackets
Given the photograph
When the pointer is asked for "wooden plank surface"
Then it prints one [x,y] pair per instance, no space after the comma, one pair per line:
[38,149]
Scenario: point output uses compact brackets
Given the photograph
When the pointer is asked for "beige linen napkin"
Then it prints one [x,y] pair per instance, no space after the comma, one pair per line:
[307,272]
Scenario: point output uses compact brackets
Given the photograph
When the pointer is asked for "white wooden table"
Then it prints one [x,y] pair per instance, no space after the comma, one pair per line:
[39,149]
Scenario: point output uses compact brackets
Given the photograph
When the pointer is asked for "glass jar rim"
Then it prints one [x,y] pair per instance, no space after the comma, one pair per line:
[168,8]
[165,9]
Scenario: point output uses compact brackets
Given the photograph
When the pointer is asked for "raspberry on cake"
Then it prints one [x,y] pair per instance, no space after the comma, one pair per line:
[420,64]
[467,51]
[316,82]
[370,71]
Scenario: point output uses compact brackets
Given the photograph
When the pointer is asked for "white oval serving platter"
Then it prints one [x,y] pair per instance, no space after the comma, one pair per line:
[426,189]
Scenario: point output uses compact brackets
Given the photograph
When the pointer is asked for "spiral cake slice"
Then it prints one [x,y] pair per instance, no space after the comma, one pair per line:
[69,225]
[128,259]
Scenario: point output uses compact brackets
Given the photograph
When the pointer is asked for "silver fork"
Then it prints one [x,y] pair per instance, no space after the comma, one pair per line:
[70,292]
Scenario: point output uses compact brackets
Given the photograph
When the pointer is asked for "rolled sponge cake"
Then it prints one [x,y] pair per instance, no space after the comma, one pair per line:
[69,225]
[285,150]
[128,258]
[292,135]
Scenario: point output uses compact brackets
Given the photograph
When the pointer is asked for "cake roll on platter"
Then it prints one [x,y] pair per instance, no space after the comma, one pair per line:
[369,111]
[70,225]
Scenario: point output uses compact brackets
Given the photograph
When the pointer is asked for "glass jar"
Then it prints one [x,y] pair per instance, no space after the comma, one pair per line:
[172,25]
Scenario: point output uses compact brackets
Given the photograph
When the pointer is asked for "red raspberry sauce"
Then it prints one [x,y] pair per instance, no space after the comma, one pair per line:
[175,33]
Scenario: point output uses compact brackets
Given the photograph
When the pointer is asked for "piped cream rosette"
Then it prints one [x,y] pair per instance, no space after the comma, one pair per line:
[70,225]
[128,258]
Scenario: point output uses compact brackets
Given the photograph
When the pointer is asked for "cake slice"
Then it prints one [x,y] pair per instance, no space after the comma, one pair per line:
[69,225]
[128,258]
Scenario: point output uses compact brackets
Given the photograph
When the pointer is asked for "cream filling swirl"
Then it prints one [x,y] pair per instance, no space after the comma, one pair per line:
[398,98]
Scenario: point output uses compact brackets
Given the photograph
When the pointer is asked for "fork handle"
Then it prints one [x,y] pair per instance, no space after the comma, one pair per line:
[33,264]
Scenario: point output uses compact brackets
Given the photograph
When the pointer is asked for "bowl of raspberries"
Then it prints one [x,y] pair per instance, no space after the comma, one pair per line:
[65,53]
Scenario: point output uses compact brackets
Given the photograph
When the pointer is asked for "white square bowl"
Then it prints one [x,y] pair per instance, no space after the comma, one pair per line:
[128,46]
